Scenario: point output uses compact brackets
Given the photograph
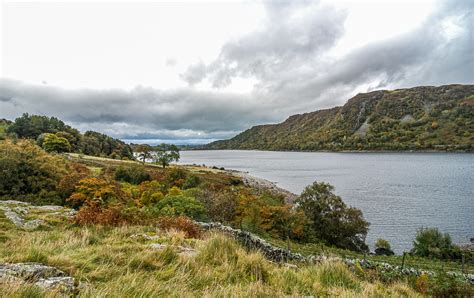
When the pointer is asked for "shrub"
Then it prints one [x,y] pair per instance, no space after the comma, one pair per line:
[180,223]
[151,192]
[134,175]
[111,215]
[191,182]
[430,242]
[93,192]
[174,177]
[382,247]
[173,205]
[29,173]
[332,221]
[382,243]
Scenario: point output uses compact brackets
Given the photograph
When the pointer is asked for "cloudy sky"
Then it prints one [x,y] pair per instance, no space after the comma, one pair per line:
[193,72]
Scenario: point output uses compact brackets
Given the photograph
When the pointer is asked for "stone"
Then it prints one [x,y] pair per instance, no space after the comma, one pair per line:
[16,211]
[382,251]
[46,277]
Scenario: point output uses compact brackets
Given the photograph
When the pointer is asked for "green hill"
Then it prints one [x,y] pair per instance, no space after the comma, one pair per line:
[419,118]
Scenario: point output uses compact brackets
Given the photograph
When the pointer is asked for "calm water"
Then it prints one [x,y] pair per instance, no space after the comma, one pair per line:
[397,192]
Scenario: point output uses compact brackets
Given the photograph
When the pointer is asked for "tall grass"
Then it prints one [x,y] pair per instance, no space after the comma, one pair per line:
[113,264]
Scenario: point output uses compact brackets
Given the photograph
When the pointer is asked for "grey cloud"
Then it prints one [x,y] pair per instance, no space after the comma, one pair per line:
[293,34]
[294,73]
[141,112]
[288,57]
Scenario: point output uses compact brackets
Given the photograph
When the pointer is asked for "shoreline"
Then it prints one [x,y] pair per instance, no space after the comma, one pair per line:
[339,151]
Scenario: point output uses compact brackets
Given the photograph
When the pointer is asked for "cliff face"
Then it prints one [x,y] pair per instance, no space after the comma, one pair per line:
[419,118]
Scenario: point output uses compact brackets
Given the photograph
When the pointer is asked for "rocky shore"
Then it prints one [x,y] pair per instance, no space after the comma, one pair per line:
[263,185]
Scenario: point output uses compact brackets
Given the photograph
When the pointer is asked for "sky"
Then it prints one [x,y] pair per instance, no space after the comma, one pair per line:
[193,72]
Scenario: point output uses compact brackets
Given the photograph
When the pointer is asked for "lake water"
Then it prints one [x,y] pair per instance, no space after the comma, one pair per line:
[397,192]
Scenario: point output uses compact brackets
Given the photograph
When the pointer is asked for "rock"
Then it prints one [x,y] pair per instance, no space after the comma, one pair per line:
[16,211]
[16,219]
[49,208]
[381,251]
[157,246]
[46,277]
[63,283]
[33,224]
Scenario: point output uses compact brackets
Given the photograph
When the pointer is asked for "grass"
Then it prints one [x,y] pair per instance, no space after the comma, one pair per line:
[410,261]
[114,264]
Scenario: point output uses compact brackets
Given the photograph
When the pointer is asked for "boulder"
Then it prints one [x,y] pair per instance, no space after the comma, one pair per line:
[382,251]
[43,276]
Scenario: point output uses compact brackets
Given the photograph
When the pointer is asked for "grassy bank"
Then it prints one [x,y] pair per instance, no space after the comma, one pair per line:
[111,262]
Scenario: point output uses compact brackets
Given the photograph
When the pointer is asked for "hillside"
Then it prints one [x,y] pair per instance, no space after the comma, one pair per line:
[419,118]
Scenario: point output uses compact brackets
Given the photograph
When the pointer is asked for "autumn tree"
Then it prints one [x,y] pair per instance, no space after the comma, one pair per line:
[93,192]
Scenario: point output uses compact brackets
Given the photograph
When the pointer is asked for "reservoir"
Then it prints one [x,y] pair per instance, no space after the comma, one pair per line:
[397,192]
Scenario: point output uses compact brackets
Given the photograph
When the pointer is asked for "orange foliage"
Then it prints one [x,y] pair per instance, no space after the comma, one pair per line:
[93,192]
[112,215]
[180,223]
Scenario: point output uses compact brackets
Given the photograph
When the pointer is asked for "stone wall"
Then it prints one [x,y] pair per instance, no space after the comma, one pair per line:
[278,254]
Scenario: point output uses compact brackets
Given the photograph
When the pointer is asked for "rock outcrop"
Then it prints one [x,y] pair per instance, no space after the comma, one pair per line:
[45,277]
[29,217]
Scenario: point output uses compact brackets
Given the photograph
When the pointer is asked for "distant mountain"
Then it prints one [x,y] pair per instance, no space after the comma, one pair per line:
[419,118]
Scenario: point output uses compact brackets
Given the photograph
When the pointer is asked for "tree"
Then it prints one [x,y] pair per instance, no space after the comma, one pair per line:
[29,173]
[331,220]
[144,152]
[430,242]
[53,143]
[165,154]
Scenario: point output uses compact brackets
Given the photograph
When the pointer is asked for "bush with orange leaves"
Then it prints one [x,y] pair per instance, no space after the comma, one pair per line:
[180,223]
[109,216]
[99,203]
[93,192]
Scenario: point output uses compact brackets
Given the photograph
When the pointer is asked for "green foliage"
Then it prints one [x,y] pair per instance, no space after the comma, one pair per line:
[331,220]
[31,126]
[29,173]
[446,285]
[191,182]
[151,192]
[144,152]
[91,143]
[179,204]
[430,242]
[53,143]
[164,154]
[382,243]
[97,144]
[133,174]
